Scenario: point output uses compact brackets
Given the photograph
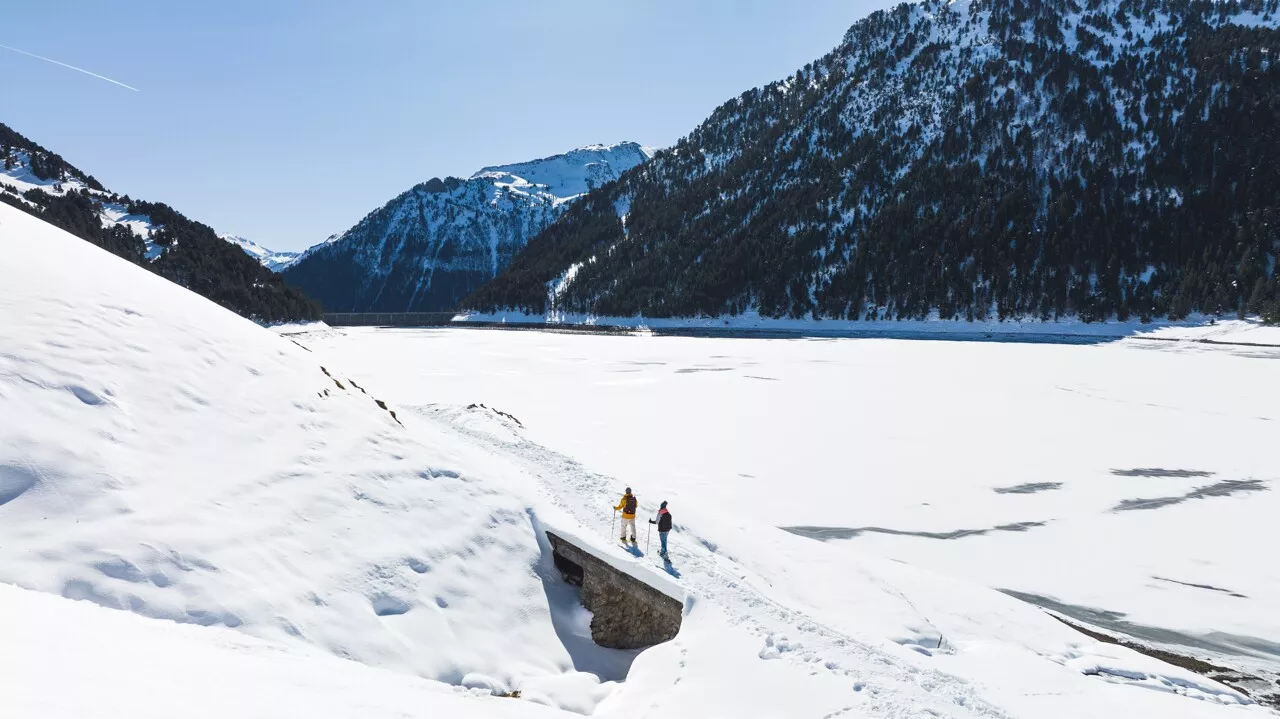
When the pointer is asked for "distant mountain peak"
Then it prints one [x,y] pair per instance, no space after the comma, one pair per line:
[270,259]
[571,173]
[440,239]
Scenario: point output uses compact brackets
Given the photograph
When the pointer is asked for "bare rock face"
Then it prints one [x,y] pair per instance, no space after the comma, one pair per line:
[626,612]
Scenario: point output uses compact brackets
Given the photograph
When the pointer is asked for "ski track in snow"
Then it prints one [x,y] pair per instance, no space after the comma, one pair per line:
[785,633]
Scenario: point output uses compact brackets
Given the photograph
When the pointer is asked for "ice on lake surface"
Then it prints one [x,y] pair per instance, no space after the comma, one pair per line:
[903,442]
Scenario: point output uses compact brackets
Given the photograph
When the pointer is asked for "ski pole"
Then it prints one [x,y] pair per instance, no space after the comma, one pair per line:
[614,522]
[647,536]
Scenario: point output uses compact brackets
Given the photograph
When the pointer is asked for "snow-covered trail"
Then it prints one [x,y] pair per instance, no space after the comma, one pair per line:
[887,685]
[890,671]
[1137,473]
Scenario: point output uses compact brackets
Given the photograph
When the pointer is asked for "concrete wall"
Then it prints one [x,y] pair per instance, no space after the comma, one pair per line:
[626,612]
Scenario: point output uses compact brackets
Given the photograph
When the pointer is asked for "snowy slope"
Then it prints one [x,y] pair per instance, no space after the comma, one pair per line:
[433,244]
[270,259]
[255,484]
[72,659]
[160,454]
[20,179]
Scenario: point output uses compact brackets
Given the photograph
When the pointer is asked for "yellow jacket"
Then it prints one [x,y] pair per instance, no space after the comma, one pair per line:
[622,504]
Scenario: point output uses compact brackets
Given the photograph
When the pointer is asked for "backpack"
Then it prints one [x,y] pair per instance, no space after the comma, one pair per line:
[629,507]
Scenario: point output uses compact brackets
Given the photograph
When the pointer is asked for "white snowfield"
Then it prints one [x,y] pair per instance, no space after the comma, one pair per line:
[162,456]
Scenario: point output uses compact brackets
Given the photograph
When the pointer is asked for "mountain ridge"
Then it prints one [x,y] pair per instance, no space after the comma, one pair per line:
[152,235]
[961,160]
[271,259]
[431,245]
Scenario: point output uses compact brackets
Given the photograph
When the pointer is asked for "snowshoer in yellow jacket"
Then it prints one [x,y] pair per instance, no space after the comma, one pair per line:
[628,507]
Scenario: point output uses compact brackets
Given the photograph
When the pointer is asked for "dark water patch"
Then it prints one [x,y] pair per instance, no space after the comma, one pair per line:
[1217,642]
[1209,587]
[823,534]
[691,370]
[1171,646]
[818,334]
[813,332]
[1225,488]
[1028,488]
[1158,472]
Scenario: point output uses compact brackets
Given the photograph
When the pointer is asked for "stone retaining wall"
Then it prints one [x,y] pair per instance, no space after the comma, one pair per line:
[626,612]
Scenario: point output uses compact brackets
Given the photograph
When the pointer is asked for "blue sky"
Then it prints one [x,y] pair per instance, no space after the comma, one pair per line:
[288,120]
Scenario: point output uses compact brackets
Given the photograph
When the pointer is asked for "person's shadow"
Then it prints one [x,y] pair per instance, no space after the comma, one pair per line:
[632,549]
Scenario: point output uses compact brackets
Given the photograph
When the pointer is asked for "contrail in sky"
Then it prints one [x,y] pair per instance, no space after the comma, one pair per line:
[72,67]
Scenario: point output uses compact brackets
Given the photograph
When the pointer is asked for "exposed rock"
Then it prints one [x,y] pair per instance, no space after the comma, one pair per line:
[626,612]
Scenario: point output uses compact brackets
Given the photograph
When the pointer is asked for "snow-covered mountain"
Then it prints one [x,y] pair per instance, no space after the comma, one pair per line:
[270,259]
[150,234]
[256,486]
[574,173]
[438,241]
[985,158]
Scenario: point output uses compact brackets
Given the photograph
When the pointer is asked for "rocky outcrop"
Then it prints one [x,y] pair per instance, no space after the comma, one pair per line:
[627,613]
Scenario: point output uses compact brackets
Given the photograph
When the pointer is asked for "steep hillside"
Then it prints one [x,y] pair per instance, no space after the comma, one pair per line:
[247,484]
[438,241]
[149,234]
[983,159]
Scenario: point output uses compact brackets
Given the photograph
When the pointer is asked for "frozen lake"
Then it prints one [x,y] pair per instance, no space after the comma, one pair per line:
[1130,480]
